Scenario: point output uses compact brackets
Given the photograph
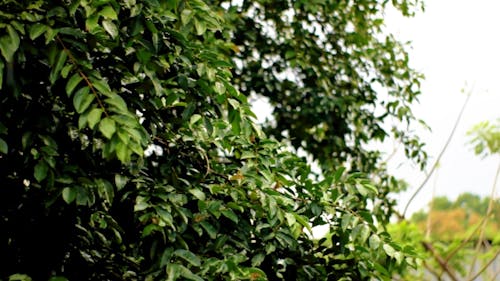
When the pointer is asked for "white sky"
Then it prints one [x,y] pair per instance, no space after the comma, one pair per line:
[456,44]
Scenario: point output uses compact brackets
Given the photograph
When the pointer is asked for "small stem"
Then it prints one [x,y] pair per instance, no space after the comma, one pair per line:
[436,163]
[80,72]
[485,221]
[442,263]
[485,267]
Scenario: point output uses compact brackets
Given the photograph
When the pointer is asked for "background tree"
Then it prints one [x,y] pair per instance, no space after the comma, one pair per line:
[453,219]
[89,86]
[337,82]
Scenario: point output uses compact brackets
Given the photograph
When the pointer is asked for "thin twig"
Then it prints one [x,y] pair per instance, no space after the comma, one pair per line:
[442,263]
[428,229]
[436,163]
[80,72]
[496,274]
[485,267]
[485,222]
[431,270]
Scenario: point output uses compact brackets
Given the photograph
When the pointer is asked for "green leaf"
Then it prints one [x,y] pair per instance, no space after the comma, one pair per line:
[66,70]
[109,13]
[123,135]
[235,121]
[194,118]
[69,194]
[107,126]
[303,222]
[94,117]
[4,148]
[72,83]
[186,273]
[290,219]
[105,190]
[56,69]
[82,99]
[101,86]
[371,187]
[110,28]
[166,217]
[200,27]
[188,256]
[122,152]
[234,103]
[186,16]
[19,277]
[221,63]
[9,44]
[346,220]
[228,213]
[290,54]
[389,250]
[82,120]
[166,256]
[120,181]
[118,103]
[129,122]
[92,22]
[41,170]
[50,34]
[338,174]
[173,271]
[36,30]
[198,194]
[258,259]
[210,229]
[220,89]
[248,154]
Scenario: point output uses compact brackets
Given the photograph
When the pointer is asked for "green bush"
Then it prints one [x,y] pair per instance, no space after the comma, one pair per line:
[128,153]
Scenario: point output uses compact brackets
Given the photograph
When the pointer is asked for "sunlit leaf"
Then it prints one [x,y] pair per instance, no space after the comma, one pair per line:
[82,99]
[56,70]
[107,126]
[36,30]
[72,83]
[41,170]
[69,194]
[9,44]
[188,256]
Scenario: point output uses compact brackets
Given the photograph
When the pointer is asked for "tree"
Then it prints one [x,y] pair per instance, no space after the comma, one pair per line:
[320,64]
[128,150]
[337,82]
[452,219]
[441,203]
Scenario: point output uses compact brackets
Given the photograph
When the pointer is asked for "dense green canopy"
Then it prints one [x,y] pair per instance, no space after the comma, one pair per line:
[128,150]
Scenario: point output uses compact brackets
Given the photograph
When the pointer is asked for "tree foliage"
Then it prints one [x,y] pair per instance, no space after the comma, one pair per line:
[128,150]
[335,79]
[453,219]
[486,138]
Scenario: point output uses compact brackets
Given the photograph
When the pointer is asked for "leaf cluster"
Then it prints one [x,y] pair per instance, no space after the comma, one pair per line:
[128,152]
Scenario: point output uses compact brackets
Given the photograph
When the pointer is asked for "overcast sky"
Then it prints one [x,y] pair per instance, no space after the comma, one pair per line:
[456,44]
